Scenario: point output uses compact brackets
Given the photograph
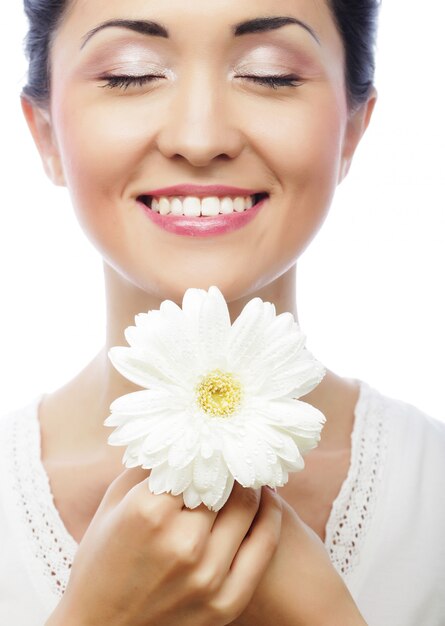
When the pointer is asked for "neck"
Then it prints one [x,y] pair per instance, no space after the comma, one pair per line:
[85,400]
[124,301]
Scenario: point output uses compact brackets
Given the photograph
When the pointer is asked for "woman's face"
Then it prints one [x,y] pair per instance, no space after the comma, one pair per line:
[204,121]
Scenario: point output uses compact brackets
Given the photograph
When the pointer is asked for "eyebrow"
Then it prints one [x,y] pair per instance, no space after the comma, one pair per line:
[155,29]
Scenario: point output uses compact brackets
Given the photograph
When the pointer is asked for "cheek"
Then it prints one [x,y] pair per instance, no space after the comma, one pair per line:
[104,151]
[103,145]
[304,147]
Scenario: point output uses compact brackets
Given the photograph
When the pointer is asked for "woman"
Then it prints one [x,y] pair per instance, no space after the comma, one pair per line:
[134,105]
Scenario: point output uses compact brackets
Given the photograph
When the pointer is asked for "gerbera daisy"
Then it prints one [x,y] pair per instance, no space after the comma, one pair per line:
[220,401]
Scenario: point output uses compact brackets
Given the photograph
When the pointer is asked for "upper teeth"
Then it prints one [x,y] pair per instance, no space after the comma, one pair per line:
[193,206]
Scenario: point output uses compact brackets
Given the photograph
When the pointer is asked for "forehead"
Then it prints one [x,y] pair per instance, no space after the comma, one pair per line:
[199,20]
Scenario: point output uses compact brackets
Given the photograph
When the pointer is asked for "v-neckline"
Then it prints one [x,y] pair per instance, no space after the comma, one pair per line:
[359,411]
[64,539]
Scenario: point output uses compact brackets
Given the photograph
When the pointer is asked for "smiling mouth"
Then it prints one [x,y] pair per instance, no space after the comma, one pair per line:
[193,206]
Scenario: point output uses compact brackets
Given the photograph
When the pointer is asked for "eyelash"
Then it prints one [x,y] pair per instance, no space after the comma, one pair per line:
[274,82]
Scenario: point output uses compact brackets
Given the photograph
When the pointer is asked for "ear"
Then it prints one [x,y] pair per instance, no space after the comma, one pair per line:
[356,125]
[39,122]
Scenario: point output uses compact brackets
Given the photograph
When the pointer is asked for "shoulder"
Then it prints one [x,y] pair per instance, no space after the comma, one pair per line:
[405,420]
[411,431]
[413,454]
[404,522]
[27,410]
[400,457]
[398,444]
[18,437]
[19,433]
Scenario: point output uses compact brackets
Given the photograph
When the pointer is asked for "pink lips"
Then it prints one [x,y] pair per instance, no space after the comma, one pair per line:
[201,191]
[203,226]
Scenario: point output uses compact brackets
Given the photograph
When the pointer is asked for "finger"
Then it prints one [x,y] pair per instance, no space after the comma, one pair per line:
[127,479]
[230,528]
[189,532]
[254,555]
[200,517]
[133,484]
[121,485]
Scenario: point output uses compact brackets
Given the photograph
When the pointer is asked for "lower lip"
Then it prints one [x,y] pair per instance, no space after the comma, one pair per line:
[203,226]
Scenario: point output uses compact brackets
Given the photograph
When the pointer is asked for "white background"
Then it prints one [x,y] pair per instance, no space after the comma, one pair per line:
[370,285]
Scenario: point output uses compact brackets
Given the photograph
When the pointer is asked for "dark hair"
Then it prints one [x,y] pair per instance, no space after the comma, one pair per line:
[356,21]
[44,17]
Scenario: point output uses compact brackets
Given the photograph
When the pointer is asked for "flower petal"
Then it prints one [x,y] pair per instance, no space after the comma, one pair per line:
[288,413]
[138,370]
[145,403]
[225,494]
[179,480]
[281,349]
[192,302]
[215,498]
[166,343]
[159,479]
[192,498]
[263,458]
[165,479]
[279,475]
[305,444]
[148,460]
[282,325]
[213,327]
[298,379]
[184,449]
[131,456]
[165,432]
[278,355]
[171,312]
[133,429]
[247,336]
[238,461]
[210,474]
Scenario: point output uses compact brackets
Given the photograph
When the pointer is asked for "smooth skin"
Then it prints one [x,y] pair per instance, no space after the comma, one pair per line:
[146,560]
[205,120]
[169,565]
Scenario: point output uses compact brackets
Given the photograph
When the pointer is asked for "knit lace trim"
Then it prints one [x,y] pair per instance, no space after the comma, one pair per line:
[54,548]
[352,510]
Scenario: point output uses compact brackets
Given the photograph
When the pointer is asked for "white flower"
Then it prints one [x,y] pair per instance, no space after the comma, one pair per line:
[220,400]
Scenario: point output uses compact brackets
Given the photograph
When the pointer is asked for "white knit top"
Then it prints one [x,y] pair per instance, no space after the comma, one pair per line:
[385,533]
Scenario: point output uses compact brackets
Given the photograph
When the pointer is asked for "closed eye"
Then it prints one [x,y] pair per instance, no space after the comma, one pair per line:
[123,82]
[288,80]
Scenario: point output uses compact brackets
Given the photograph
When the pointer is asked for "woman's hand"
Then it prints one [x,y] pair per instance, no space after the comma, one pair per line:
[300,587]
[145,560]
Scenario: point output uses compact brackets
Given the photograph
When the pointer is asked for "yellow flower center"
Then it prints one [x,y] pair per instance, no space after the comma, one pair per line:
[219,394]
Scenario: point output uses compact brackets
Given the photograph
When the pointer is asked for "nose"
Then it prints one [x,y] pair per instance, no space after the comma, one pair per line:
[198,125]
